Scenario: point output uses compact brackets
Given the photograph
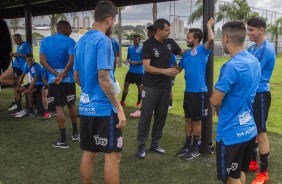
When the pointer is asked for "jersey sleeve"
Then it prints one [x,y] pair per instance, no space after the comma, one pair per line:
[146,53]
[104,54]
[205,50]
[42,49]
[268,58]
[181,62]
[227,78]
[176,49]
[28,48]
[75,64]
[71,47]
[25,69]
[116,46]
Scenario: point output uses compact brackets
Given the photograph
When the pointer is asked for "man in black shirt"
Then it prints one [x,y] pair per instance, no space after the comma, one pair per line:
[156,57]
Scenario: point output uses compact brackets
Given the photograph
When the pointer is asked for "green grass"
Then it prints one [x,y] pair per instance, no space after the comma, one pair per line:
[27,156]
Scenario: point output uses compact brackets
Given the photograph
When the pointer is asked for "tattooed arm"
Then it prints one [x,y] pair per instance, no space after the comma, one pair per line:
[108,88]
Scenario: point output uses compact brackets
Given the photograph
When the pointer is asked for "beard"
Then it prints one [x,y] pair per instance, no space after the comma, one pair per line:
[190,45]
[109,31]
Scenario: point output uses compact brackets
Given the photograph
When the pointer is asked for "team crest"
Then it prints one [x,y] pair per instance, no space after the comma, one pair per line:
[194,52]
[119,142]
[138,50]
[169,46]
[157,54]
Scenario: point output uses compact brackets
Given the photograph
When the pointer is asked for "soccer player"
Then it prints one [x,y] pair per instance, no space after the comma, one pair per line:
[136,70]
[156,57]
[44,94]
[232,100]
[115,45]
[57,55]
[194,62]
[265,53]
[36,85]
[101,115]
[11,75]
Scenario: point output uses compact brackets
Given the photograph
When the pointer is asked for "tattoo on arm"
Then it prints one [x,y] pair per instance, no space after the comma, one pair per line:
[107,87]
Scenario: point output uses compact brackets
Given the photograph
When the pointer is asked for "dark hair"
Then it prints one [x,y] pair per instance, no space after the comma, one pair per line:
[62,24]
[257,22]
[160,24]
[136,36]
[197,33]
[236,30]
[104,10]
[17,36]
[151,28]
[29,55]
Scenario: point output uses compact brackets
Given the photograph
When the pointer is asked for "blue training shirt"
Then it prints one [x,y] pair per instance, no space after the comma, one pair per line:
[194,63]
[94,52]
[239,78]
[134,53]
[115,46]
[19,62]
[57,49]
[35,70]
[265,53]
[173,61]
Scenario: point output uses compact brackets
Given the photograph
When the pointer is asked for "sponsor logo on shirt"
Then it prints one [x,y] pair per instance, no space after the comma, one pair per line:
[157,54]
[100,141]
[233,167]
[194,52]
[169,46]
[143,94]
[245,117]
[84,98]
[138,50]
[32,70]
[89,110]
[246,132]
[119,142]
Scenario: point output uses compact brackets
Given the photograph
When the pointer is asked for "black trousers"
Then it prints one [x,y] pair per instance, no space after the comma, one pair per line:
[157,101]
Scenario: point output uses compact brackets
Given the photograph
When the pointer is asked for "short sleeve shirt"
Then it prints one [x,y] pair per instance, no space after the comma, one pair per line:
[35,70]
[19,61]
[160,55]
[134,54]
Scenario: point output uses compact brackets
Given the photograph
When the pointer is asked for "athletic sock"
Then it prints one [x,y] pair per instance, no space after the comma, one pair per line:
[63,134]
[19,105]
[263,162]
[74,127]
[123,97]
[188,141]
[195,141]
[46,110]
[170,102]
[139,99]
[255,152]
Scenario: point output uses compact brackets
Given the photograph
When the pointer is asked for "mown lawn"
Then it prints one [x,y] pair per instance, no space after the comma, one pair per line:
[27,155]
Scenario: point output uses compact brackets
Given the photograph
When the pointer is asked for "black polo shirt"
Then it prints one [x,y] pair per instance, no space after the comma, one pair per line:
[160,55]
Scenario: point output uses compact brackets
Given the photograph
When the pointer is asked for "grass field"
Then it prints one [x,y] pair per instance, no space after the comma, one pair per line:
[27,156]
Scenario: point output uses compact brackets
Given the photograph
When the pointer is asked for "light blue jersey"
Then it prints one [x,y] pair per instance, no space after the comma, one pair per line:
[25,49]
[35,70]
[238,79]
[115,46]
[57,49]
[134,53]
[194,63]
[173,61]
[94,52]
[265,53]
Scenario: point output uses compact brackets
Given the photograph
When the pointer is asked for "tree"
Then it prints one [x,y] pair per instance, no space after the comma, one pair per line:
[155,11]
[275,30]
[14,24]
[237,10]
[120,35]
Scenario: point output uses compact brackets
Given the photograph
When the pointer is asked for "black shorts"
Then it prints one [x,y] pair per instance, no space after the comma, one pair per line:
[62,94]
[261,108]
[38,87]
[232,159]
[99,134]
[195,105]
[17,72]
[134,78]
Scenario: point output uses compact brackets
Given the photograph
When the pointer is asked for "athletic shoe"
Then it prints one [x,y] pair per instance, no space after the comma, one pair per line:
[169,107]
[15,112]
[135,114]
[46,115]
[122,103]
[75,136]
[21,114]
[14,107]
[53,113]
[183,150]
[29,115]
[253,166]
[261,178]
[138,105]
[141,151]
[157,148]
[193,153]
[60,144]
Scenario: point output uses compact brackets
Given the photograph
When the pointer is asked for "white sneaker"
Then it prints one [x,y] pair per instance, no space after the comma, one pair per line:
[14,107]
[21,114]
